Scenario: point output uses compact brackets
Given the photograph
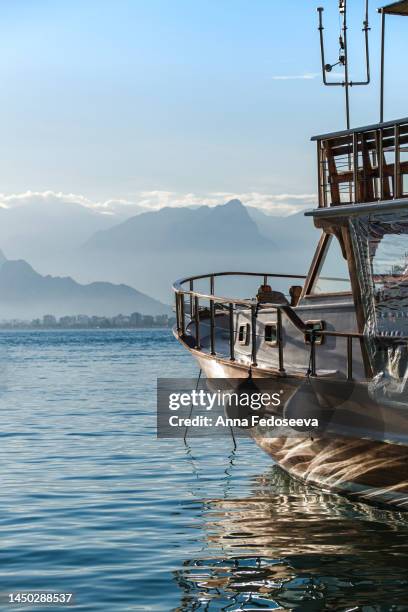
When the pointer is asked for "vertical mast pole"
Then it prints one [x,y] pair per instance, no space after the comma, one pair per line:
[343,5]
[382,67]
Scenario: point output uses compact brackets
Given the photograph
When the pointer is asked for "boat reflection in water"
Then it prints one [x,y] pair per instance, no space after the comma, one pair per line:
[293,547]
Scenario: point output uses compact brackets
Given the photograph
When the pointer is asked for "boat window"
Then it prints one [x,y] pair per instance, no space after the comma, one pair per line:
[271,334]
[244,334]
[389,263]
[381,242]
[333,275]
[315,326]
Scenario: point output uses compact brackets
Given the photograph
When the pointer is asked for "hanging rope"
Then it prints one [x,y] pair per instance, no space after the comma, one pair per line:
[312,365]
[191,408]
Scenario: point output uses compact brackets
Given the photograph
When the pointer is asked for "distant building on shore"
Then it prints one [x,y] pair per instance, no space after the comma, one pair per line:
[135,320]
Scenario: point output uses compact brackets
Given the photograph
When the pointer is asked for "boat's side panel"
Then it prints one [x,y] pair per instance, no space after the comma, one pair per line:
[330,355]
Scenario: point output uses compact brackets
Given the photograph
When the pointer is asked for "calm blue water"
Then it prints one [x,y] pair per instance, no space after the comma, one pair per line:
[91,502]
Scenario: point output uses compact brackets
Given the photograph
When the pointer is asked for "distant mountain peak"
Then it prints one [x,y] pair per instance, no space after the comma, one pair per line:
[234,203]
[205,229]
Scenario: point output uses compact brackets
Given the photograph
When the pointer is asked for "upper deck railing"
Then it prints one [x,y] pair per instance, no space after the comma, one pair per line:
[363,165]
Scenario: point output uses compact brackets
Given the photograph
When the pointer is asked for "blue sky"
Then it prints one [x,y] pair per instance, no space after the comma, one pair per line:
[161,101]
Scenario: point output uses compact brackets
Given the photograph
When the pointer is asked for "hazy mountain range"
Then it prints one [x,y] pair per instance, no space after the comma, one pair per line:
[145,252]
[183,229]
[26,294]
[156,248]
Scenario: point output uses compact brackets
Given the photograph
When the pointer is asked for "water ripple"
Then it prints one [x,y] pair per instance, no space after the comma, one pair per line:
[92,503]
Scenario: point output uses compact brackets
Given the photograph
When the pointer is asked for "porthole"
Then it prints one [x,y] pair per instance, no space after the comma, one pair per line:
[271,334]
[244,333]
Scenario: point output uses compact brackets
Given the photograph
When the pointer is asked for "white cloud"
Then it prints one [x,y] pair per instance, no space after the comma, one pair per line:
[307,76]
[57,198]
[274,204]
[14,200]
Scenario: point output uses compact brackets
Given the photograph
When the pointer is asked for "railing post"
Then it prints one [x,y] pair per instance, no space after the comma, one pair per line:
[355,168]
[265,279]
[319,177]
[197,323]
[178,313]
[397,167]
[212,317]
[280,340]
[231,332]
[380,160]
[349,358]
[191,300]
[182,315]
[253,330]
[322,174]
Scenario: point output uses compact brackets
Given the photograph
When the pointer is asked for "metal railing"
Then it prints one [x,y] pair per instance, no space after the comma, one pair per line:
[362,165]
[228,306]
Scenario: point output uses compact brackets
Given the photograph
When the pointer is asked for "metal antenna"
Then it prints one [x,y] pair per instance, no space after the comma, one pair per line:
[343,54]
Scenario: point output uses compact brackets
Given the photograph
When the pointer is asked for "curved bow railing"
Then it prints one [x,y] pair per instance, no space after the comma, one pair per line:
[185,287]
